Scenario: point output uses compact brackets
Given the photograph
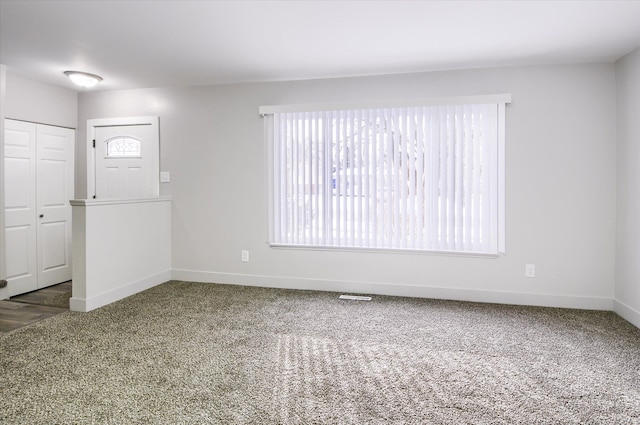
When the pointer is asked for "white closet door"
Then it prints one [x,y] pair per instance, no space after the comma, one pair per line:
[55,187]
[39,164]
[20,206]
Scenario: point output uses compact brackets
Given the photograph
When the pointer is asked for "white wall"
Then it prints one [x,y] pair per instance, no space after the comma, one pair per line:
[627,289]
[561,182]
[119,248]
[29,100]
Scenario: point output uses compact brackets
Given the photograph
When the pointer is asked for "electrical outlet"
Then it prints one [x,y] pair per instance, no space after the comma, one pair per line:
[530,270]
[245,256]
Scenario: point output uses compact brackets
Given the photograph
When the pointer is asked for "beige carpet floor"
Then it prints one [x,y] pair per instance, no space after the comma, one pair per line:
[188,353]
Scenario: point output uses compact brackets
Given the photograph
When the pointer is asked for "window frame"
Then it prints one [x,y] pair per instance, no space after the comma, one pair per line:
[124,139]
[500,100]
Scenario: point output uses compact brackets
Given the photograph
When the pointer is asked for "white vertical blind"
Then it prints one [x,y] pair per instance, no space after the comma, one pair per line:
[416,178]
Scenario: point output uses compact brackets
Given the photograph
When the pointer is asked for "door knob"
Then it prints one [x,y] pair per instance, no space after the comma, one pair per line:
[41,215]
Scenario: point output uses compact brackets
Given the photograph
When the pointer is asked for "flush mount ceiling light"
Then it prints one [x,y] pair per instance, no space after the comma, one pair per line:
[83,79]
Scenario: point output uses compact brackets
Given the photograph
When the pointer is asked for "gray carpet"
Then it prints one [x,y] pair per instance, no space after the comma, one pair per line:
[186,353]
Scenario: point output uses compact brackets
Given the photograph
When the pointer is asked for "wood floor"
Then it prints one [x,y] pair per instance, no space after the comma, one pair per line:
[25,309]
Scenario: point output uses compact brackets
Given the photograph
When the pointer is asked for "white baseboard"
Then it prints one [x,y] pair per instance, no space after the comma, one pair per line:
[122,291]
[473,295]
[402,290]
[627,313]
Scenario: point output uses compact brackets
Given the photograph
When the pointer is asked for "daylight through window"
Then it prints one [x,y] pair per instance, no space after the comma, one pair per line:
[123,146]
[424,178]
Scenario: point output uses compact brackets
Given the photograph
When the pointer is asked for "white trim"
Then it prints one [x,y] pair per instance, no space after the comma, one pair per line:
[627,313]
[123,291]
[4,292]
[124,121]
[433,101]
[474,254]
[402,290]
[95,202]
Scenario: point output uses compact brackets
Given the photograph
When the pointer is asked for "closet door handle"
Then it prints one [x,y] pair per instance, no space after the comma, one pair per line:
[41,215]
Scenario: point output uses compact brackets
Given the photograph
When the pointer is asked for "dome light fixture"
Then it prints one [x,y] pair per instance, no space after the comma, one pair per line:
[83,79]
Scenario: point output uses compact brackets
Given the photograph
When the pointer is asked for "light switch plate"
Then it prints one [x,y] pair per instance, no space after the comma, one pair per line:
[530,270]
[164,177]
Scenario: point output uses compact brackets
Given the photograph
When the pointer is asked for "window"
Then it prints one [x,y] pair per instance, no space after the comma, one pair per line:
[123,147]
[421,177]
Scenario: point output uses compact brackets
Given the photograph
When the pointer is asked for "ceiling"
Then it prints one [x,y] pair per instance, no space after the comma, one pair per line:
[135,44]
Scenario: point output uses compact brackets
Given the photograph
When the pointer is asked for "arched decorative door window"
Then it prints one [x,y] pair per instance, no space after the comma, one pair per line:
[123,147]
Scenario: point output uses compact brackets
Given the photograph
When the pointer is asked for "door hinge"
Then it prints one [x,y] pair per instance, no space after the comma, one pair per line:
[94,143]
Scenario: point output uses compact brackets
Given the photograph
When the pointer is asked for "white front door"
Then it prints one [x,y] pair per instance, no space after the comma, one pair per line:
[126,158]
[39,164]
